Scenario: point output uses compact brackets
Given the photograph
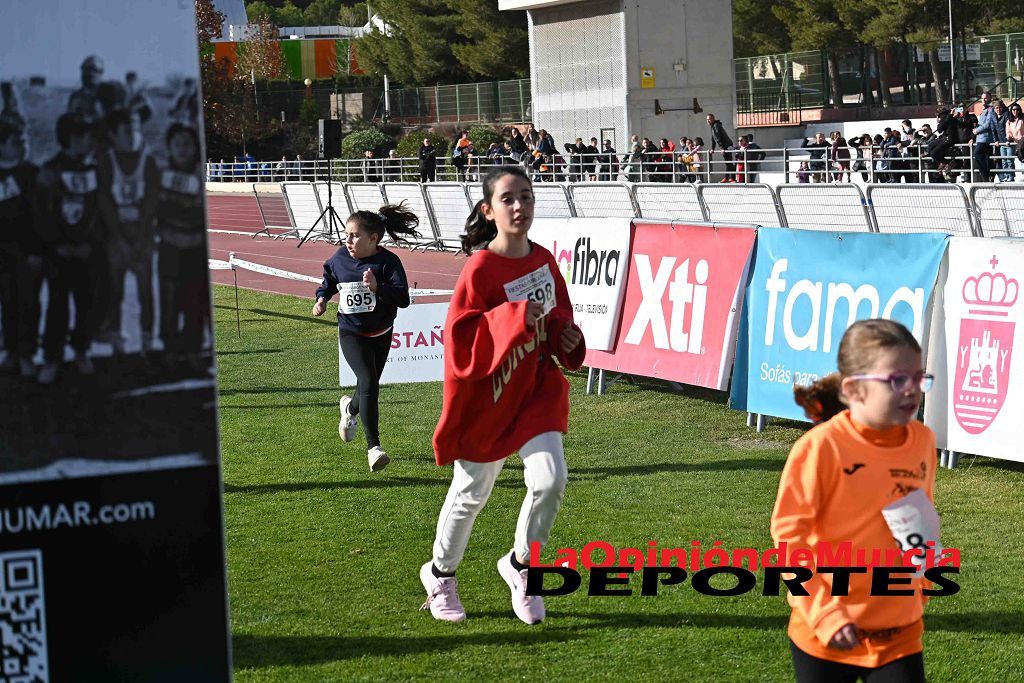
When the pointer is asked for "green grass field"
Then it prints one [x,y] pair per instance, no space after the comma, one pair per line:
[323,556]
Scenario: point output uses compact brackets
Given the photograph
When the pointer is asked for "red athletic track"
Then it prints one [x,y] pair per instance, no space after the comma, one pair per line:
[428,270]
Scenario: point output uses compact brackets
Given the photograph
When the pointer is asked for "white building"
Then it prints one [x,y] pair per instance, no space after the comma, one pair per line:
[597,67]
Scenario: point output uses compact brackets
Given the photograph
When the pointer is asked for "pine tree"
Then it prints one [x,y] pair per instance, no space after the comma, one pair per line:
[493,45]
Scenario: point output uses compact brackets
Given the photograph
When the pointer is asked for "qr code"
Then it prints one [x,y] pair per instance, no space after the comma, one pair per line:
[22,618]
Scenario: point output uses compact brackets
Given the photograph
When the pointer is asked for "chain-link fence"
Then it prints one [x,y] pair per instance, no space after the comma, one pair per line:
[494,101]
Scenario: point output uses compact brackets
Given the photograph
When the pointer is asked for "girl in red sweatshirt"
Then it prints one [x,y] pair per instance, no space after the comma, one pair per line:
[510,320]
[836,481]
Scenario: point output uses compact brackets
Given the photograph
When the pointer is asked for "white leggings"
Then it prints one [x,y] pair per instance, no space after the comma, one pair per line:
[545,474]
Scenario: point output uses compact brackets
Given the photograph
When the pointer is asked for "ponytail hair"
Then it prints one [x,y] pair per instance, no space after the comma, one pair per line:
[822,400]
[480,230]
[858,349]
[394,219]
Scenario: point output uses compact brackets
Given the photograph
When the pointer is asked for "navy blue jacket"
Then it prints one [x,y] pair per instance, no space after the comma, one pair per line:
[392,288]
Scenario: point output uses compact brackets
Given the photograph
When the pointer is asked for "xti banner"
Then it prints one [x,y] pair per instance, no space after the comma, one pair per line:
[679,316]
[806,288]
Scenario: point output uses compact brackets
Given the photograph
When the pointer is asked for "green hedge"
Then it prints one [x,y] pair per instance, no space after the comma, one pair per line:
[355,145]
[409,146]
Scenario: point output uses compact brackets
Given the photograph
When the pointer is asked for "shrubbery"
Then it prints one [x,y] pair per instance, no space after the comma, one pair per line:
[355,145]
[409,146]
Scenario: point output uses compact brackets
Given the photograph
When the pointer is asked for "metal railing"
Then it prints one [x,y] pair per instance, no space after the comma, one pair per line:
[993,210]
[868,165]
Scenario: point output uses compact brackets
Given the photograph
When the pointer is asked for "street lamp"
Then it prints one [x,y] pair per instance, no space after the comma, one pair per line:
[309,87]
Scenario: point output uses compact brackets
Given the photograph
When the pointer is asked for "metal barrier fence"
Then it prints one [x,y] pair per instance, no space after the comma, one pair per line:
[921,208]
[847,208]
[991,210]
[865,165]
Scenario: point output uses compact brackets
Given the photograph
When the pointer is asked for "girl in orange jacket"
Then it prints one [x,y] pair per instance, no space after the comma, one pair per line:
[836,481]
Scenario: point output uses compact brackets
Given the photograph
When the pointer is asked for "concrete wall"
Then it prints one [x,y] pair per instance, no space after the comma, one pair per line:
[688,43]
[587,57]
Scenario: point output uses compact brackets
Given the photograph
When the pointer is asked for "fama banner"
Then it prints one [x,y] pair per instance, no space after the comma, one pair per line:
[417,348]
[682,295]
[977,351]
[806,288]
[111,528]
[592,255]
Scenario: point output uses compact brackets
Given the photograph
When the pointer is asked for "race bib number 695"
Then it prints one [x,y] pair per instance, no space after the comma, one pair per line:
[355,297]
[537,286]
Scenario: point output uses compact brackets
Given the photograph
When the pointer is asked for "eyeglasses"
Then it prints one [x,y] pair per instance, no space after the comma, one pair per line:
[901,381]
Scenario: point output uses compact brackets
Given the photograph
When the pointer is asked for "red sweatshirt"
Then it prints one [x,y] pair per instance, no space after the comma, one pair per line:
[501,384]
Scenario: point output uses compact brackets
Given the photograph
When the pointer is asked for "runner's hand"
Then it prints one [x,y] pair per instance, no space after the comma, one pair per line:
[845,638]
[370,280]
[570,339]
[320,306]
[534,312]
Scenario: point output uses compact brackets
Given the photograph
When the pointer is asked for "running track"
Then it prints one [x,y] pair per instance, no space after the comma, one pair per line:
[232,214]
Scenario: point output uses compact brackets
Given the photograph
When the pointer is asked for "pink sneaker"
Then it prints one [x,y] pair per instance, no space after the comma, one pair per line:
[442,595]
[529,608]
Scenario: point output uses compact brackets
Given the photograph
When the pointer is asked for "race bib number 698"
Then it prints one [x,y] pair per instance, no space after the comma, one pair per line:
[537,286]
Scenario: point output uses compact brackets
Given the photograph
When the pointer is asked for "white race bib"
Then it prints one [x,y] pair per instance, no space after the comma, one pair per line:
[355,297]
[537,286]
[913,521]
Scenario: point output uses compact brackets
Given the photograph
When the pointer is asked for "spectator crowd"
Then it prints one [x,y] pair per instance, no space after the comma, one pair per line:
[959,146]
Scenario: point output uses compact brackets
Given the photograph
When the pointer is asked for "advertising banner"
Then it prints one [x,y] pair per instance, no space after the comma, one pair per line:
[977,349]
[806,288]
[111,525]
[592,255]
[682,294]
[417,348]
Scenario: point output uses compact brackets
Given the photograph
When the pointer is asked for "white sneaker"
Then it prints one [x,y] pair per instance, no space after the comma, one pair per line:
[48,373]
[529,608]
[349,424]
[27,368]
[442,595]
[84,364]
[377,458]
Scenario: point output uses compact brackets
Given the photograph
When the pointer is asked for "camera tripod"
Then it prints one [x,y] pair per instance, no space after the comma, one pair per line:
[329,221]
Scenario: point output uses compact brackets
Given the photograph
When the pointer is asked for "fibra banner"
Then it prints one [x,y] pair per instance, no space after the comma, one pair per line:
[680,317]
[975,352]
[806,288]
[592,255]
[417,348]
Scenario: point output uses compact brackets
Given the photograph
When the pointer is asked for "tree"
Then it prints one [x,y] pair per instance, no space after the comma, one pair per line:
[259,56]
[260,8]
[229,110]
[355,145]
[417,48]
[428,41]
[289,15]
[756,30]
[815,25]
[356,15]
[322,13]
[493,44]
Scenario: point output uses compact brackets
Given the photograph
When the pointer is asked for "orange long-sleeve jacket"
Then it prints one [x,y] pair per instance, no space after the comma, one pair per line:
[836,481]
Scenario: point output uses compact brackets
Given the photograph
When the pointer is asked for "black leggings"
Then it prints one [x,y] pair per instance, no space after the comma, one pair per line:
[367,357]
[810,669]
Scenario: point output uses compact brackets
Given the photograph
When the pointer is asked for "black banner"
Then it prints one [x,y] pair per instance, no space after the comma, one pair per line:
[112,560]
